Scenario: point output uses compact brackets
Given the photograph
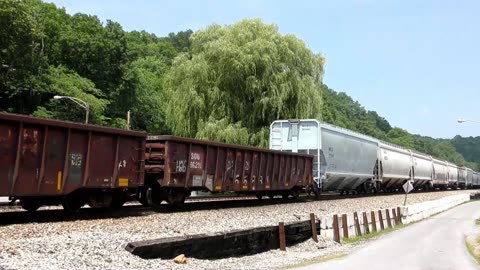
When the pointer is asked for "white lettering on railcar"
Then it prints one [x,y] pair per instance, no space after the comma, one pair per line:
[195,162]
[181,166]
[229,164]
[247,166]
[122,164]
[76,160]
[194,156]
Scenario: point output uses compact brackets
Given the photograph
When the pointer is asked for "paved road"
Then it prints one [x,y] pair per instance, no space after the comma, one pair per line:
[435,243]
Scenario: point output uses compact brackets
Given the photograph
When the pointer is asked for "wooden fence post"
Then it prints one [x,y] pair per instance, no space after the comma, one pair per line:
[374,222]
[389,221]
[357,224]
[314,227]
[380,217]
[365,223]
[336,229]
[399,215]
[394,211]
[281,234]
[345,226]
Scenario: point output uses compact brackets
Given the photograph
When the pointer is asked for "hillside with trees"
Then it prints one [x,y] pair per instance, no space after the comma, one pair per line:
[224,83]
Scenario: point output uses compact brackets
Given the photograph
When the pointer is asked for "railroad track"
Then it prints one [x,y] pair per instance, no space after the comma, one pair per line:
[15,215]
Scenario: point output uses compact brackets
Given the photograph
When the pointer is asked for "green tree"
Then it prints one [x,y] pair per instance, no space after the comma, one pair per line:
[444,150]
[246,73]
[142,93]
[95,52]
[181,40]
[61,81]
[21,55]
[143,44]
[401,137]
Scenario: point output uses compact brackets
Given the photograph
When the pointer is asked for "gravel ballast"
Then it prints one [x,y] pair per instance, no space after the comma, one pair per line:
[99,243]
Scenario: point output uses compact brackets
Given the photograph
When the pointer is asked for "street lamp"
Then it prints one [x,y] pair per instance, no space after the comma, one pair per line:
[462,120]
[79,102]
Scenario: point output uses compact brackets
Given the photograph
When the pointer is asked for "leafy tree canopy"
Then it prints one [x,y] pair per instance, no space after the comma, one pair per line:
[246,74]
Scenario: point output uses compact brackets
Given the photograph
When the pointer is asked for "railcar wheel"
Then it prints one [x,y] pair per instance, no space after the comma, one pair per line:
[270,195]
[285,195]
[259,195]
[142,197]
[176,196]
[72,205]
[30,205]
[316,191]
[73,201]
[296,193]
[118,200]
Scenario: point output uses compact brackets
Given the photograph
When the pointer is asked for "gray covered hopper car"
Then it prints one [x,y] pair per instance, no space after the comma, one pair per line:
[344,160]
[396,164]
[422,170]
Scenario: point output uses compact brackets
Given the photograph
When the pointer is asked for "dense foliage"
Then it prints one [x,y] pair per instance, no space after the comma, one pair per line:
[225,83]
[241,78]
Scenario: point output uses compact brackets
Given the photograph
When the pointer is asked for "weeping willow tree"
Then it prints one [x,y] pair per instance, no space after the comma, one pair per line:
[237,79]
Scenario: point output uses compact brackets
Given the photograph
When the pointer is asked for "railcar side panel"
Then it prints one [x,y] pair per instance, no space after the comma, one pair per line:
[396,165]
[452,175]
[440,173]
[217,167]
[422,169]
[469,179]
[343,160]
[48,158]
[462,176]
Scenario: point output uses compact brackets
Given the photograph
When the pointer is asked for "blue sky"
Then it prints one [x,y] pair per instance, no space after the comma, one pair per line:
[414,62]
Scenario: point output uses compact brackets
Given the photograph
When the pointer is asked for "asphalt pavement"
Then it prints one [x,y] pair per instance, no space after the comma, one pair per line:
[435,243]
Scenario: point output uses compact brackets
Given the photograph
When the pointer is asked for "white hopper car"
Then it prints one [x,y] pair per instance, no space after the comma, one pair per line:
[349,161]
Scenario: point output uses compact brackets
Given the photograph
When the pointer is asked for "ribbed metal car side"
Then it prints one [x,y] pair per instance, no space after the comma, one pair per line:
[396,164]
[344,160]
[45,161]
[452,175]
[469,178]
[462,177]
[440,173]
[422,170]
[475,179]
[175,166]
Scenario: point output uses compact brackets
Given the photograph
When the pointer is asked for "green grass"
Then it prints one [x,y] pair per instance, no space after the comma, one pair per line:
[363,237]
[477,222]
[318,260]
[471,248]
[473,244]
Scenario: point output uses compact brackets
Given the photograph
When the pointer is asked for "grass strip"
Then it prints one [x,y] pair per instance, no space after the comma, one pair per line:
[317,260]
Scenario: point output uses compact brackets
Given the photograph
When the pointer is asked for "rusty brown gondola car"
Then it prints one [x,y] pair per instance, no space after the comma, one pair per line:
[175,166]
[51,162]
[44,162]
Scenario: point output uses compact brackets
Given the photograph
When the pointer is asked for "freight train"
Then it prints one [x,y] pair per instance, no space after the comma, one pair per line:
[347,161]
[51,162]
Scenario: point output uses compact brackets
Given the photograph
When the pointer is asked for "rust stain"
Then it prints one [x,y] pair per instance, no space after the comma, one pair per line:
[30,142]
